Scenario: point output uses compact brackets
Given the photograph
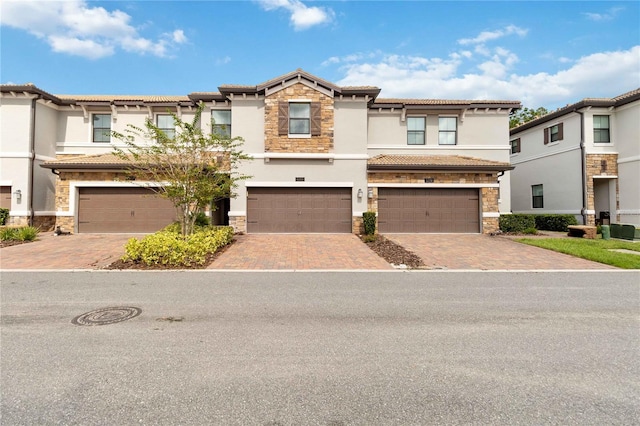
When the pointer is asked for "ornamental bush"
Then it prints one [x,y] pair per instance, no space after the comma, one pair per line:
[4,215]
[516,222]
[369,221]
[169,248]
[555,222]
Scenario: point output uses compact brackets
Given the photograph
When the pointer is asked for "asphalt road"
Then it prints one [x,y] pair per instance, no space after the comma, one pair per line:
[397,348]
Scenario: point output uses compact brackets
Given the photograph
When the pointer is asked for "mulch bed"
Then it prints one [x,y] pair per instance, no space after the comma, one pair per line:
[393,253]
[4,244]
[121,264]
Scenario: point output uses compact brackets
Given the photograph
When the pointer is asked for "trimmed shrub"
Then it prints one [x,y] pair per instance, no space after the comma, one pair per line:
[369,221]
[4,215]
[202,220]
[516,222]
[169,248]
[555,222]
[26,233]
[9,234]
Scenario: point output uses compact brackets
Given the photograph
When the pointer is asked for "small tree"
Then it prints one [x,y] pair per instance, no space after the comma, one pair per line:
[525,115]
[196,168]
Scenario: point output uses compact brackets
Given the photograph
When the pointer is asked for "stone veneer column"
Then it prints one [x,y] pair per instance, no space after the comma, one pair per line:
[600,165]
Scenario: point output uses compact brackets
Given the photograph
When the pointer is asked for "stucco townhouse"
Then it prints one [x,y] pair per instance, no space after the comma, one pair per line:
[322,155]
[582,159]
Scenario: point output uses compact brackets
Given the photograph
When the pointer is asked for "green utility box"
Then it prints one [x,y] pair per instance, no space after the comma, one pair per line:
[606,232]
[624,232]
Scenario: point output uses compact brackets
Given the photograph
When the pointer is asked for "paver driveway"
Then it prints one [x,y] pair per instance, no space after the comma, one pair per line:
[473,251]
[78,251]
[299,251]
[302,251]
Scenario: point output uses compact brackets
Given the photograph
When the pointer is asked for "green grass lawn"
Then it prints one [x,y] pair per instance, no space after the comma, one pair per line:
[595,250]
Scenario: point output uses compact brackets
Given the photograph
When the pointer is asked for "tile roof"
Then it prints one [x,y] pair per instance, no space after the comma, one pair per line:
[109,161]
[125,98]
[391,161]
[470,103]
[625,98]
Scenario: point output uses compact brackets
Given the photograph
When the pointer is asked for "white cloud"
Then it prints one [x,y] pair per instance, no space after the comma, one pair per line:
[302,16]
[486,36]
[75,28]
[603,74]
[223,61]
[607,16]
[179,37]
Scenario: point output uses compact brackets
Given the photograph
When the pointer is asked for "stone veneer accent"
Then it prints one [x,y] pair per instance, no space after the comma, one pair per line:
[315,144]
[600,165]
[238,223]
[488,196]
[357,225]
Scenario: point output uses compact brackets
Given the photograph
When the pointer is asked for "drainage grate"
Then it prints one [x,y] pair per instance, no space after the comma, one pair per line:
[106,316]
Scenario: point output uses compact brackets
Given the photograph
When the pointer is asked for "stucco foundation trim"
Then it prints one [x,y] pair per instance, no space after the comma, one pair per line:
[250,184]
[433,185]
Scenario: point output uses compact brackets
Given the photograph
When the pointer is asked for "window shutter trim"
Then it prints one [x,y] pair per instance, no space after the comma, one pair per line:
[283,118]
[560,131]
[546,135]
[316,119]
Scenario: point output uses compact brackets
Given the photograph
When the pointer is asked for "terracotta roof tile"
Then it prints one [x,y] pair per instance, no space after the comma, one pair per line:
[409,101]
[88,160]
[434,161]
[125,98]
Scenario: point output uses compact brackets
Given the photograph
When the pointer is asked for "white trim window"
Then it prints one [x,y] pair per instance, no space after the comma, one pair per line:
[537,196]
[416,130]
[601,129]
[447,130]
[101,128]
[166,123]
[221,122]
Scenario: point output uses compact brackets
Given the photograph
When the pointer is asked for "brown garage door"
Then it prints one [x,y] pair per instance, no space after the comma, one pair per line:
[308,210]
[113,210]
[426,210]
[5,197]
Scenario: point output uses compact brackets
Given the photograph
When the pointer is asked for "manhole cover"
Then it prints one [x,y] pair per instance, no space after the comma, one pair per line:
[106,316]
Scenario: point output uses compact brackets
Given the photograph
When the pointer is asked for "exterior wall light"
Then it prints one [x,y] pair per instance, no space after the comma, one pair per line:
[359,193]
[370,193]
[18,194]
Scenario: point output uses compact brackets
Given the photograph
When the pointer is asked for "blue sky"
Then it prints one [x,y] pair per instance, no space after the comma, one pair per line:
[542,53]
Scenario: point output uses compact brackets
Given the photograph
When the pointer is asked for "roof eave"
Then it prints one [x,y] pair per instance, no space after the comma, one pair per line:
[413,167]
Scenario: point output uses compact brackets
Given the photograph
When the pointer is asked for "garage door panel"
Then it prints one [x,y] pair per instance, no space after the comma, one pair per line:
[122,210]
[411,210]
[291,210]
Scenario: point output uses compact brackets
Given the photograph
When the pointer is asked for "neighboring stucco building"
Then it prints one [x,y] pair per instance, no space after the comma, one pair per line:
[322,155]
[583,159]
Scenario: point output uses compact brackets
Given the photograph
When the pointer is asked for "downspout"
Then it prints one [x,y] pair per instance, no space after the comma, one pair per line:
[32,159]
[583,160]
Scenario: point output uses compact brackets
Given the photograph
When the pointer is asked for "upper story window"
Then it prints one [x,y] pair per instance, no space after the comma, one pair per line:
[299,118]
[601,129]
[537,196]
[415,130]
[221,122]
[102,128]
[515,146]
[448,127]
[554,133]
[166,123]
